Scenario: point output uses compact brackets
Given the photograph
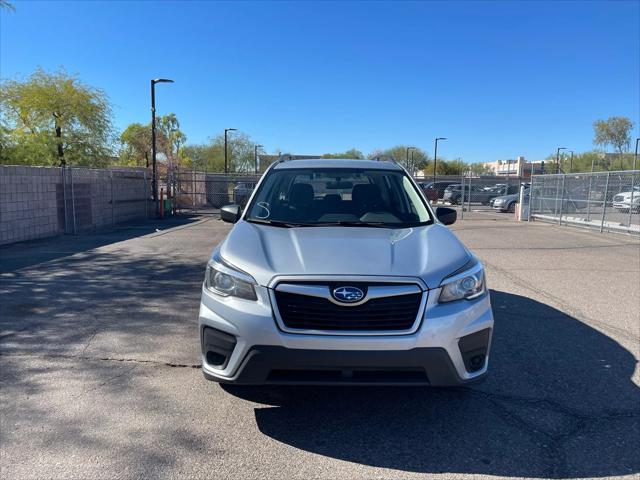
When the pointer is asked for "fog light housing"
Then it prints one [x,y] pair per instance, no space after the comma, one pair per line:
[473,349]
[217,347]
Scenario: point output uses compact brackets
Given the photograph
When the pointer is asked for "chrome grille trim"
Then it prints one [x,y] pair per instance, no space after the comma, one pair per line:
[323,291]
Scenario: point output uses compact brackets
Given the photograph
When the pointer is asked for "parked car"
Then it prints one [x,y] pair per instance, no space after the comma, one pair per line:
[242,192]
[476,193]
[507,190]
[507,203]
[429,191]
[624,202]
[293,294]
[440,186]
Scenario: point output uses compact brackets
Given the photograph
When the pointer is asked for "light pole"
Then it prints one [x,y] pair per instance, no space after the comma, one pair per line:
[435,157]
[154,179]
[407,158]
[255,156]
[412,164]
[635,156]
[226,164]
[571,162]
[558,158]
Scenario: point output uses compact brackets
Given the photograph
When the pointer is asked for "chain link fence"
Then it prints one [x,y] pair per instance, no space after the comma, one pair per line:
[105,197]
[474,193]
[604,201]
[199,192]
[94,198]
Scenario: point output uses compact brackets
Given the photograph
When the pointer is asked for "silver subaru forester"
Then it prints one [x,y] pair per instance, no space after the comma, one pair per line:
[340,272]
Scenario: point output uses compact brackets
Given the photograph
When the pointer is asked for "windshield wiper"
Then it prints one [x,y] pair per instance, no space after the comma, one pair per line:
[278,223]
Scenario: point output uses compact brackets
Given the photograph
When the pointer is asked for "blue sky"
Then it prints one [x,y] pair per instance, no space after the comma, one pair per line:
[498,79]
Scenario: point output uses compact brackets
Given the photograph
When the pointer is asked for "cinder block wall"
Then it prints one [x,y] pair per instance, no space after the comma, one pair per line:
[31,203]
[35,203]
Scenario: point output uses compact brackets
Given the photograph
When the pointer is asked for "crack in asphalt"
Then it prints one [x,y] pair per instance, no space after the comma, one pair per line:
[95,332]
[557,464]
[103,359]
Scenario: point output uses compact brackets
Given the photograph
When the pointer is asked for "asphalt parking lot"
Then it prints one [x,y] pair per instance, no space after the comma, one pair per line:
[99,374]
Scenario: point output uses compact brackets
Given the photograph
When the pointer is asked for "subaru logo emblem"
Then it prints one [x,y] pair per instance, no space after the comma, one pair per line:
[348,294]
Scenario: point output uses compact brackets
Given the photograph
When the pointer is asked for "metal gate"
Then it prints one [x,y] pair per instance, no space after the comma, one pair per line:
[603,201]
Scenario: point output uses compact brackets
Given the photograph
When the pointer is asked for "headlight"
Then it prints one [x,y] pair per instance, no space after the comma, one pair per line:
[221,279]
[468,284]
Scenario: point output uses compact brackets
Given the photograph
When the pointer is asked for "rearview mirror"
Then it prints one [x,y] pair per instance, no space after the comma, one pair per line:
[230,213]
[446,215]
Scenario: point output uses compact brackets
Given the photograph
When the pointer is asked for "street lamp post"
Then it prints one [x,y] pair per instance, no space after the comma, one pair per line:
[571,162]
[154,179]
[226,164]
[407,158]
[255,156]
[558,158]
[633,174]
[435,156]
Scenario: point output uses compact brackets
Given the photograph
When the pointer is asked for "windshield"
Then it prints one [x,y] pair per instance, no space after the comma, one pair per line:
[350,197]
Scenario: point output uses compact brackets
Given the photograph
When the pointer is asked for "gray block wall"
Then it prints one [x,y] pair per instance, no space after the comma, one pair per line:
[31,203]
[38,202]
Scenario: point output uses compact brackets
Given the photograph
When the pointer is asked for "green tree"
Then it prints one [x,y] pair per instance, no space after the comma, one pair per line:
[416,159]
[583,162]
[169,138]
[135,142]
[614,131]
[136,145]
[210,156]
[451,167]
[206,157]
[55,118]
[479,168]
[352,153]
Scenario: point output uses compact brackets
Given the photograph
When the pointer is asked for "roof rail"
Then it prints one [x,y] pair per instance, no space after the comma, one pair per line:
[285,157]
[384,158]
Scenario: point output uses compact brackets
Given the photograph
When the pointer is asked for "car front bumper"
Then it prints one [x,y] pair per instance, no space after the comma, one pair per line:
[440,352]
[626,205]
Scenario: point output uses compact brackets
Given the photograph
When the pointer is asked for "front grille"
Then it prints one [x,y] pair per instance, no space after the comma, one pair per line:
[618,198]
[304,312]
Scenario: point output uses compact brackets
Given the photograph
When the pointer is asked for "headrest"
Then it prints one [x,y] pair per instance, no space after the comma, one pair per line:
[301,194]
[366,194]
[332,199]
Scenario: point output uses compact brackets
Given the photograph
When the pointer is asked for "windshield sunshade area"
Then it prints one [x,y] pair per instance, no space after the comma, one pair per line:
[345,197]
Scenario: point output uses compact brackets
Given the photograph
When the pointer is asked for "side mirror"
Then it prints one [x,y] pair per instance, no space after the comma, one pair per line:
[230,213]
[446,215]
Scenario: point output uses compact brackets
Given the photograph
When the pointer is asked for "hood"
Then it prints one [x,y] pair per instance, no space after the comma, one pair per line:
[431,252]
[628,194]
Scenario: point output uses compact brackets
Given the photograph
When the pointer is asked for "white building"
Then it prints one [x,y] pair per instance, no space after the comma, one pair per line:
[516,168]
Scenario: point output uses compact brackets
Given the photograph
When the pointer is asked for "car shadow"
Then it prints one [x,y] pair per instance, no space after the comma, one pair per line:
[559,403]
